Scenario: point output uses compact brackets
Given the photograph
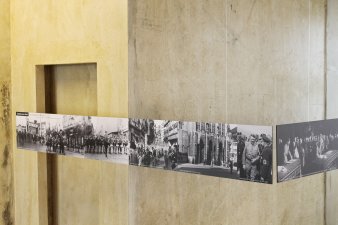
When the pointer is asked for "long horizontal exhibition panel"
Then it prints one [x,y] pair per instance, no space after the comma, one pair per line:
[235,151]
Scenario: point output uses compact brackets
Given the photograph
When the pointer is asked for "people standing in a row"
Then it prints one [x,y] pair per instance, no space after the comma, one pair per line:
[55,142]
[106,145]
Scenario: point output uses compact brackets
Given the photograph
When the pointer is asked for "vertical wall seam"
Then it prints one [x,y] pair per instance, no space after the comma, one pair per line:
[308,65]
[226,61]
[325,99]
[325,59]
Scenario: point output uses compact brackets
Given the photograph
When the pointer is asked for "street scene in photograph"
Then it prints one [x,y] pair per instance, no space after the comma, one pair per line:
[108,140]
[213,149]
[149,146]
[58,134]
[29,129]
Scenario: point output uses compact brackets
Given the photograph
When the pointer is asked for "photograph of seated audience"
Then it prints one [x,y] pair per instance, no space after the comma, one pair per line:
[306,148]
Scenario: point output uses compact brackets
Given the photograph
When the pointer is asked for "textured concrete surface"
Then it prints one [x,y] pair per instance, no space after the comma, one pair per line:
[236,61]
[332,104]
[251,62]
[70,32]
[6,175]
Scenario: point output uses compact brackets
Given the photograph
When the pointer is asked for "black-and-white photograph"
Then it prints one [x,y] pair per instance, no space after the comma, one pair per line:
[65,134]
[307,148]
[202,149]
[29,131]
[225,150]
[52,133]
[149,145]
[250,149]
[213,149]
[108,140]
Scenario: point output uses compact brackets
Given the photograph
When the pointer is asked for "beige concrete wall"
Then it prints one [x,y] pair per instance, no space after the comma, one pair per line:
[332,106]
[247,61]
[188,59]
[6,176]
[63,32]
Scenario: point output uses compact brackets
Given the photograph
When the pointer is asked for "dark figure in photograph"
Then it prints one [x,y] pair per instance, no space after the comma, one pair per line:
[172,158]
[266,160]
[87,143]
[292,148]
[120,146]
[251,158]
[49,143]
[301,150]
[62,146]
[133,157]
[106,146]
[240,150]
[311,156]
[100,144]
[92,145]
[114,146]
[166,160]
[55,144]
[147,158]
[287,153]
[125,144]
[231,165]
[96,147]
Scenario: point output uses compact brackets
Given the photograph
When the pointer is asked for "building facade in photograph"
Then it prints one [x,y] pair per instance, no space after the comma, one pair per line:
[33,127]
[170,132]
[200,142]
[142,132]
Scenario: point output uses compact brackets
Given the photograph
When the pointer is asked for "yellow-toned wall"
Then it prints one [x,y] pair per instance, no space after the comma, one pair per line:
[6,175]
[235,61]
[63,32]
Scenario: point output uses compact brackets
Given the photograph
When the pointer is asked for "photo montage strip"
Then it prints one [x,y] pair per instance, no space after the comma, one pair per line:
[89,137]
[307,148]
[242,152]
[234,151]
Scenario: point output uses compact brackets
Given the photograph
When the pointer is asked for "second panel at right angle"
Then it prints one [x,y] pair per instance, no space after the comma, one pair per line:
[305,149]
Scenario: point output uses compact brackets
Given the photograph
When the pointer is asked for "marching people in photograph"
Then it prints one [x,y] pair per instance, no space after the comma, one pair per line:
[51,133]
[306,148]
[108,140]
[65,134]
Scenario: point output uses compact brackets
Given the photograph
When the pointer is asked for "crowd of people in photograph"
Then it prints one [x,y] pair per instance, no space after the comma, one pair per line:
[254,158]
[308,147]
[154,156]
[28,138]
